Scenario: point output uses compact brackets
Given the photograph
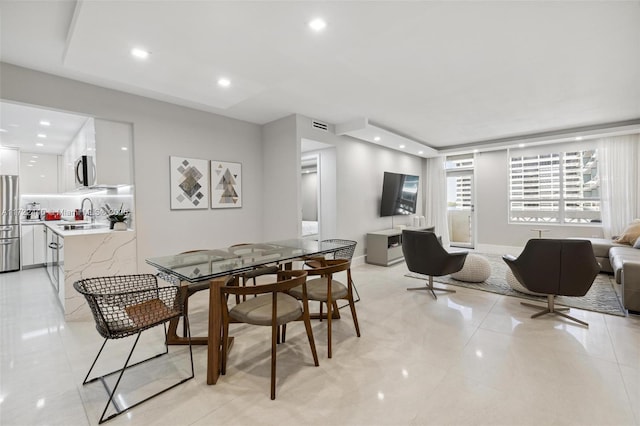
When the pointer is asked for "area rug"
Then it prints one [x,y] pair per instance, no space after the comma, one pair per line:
[600,298]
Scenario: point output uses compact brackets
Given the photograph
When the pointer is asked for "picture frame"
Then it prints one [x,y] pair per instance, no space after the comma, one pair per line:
[226,184]
[189,180]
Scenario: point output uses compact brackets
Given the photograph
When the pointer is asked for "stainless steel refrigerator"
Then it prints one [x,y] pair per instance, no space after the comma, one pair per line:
[9,224]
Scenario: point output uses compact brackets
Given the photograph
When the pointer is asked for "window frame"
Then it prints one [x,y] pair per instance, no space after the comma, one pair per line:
[559,202]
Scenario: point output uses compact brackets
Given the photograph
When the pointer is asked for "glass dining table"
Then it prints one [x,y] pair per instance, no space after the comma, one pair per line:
[217,266]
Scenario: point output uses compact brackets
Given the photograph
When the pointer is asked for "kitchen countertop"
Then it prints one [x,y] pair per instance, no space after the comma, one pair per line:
[53,225]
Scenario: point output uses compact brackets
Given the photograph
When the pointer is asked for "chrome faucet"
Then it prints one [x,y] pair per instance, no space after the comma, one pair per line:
[91,212]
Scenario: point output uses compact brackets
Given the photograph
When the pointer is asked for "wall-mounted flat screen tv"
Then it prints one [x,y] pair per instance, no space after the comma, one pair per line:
[399,194]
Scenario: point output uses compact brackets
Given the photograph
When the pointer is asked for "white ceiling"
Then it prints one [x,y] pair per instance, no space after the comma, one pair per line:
[440,73]
[20,127]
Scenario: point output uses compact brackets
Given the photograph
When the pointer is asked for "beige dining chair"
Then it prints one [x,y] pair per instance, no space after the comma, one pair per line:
[271,307]
[326,289]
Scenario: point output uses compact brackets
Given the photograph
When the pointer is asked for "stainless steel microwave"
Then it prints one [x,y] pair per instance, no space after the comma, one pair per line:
[85,172]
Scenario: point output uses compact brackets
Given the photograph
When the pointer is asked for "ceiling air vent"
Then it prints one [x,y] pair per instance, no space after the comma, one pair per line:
[319,125]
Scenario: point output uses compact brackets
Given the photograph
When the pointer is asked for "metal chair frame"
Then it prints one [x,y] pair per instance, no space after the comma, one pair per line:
[88,288]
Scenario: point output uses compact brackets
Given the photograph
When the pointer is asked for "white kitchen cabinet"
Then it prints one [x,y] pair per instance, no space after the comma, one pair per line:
[82,144]
[26,239]
[33,241]
[39,244]
[9,161]
[112,152]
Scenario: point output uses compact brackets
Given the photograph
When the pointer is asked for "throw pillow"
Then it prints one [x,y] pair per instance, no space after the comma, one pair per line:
[630,234]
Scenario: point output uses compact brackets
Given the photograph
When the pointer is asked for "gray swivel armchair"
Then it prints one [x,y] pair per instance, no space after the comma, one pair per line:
[555,267]
[425,255]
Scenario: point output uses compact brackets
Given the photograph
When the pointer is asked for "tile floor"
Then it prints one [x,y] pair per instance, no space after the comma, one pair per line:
[471,358]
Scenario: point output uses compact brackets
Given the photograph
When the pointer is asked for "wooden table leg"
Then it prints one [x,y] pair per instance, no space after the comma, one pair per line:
[215,331]
[172,332]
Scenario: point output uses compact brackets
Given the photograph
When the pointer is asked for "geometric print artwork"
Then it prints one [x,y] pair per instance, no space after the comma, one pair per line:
[189,183]
[226,185]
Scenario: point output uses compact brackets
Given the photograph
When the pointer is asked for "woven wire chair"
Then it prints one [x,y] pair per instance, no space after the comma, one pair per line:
[124,306]
[343,253]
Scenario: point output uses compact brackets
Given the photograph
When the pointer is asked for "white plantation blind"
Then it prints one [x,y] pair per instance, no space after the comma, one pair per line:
[554,184]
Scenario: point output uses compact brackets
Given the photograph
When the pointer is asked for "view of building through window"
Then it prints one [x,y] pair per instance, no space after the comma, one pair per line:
[555,188]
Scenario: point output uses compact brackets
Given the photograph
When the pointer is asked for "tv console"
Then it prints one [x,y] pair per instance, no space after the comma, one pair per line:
[384,247]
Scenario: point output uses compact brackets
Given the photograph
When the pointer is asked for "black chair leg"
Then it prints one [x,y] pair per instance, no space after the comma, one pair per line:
[112,393]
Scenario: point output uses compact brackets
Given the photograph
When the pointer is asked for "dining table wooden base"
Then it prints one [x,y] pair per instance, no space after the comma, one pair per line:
[216,266]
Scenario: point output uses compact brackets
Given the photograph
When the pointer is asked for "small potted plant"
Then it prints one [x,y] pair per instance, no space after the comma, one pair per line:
[117,218]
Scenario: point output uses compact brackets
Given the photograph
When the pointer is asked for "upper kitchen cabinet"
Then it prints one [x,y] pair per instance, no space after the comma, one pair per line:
[9,161]
[38,173]
[113,147]
[106,147]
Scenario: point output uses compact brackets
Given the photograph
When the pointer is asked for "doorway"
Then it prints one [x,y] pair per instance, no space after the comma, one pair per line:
[318,190]
[461,208]
[310,193]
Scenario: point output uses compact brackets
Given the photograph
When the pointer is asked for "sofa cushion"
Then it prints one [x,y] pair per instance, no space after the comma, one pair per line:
[601,246]
[630,234]
[619,255]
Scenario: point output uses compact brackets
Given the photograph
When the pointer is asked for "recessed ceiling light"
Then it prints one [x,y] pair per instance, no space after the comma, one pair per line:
[401,146]
[124,148]
[139,53]
[377,139]
[317,24]
[476,150]
[45,123]
[39,144]
[3,131]
[420,152]
[42,135]
[224,82]
[521,145]
[578,138]
[32,161]
[29,165]
[34,156]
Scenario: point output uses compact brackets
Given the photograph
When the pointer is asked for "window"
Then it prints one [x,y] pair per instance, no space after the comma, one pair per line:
[557,187]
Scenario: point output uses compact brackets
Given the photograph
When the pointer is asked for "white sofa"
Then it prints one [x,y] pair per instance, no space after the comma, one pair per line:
[623,261]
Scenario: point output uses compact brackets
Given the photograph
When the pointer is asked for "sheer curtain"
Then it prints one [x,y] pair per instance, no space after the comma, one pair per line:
[618,164]
[436,198]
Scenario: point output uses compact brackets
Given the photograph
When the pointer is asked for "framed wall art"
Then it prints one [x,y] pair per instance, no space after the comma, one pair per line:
[189,183]
[226,185]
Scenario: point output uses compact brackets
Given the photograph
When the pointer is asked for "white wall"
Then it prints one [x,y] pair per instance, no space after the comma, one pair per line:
[360,167]
[281,180]
[162,130]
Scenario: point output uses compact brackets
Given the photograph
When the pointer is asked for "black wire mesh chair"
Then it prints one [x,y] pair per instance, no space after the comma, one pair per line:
[343,253]
[124,306]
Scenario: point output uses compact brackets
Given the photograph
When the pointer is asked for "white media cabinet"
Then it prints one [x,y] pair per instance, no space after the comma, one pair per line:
[385,247]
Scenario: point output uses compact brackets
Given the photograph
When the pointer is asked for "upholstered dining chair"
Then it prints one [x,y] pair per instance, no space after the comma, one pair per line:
[343,253]
[555,267]
[255,272]
[124,306]
[272,307]
[328,290]
[424,254]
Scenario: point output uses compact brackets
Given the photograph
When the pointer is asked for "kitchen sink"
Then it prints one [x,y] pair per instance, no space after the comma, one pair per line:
[82,226]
